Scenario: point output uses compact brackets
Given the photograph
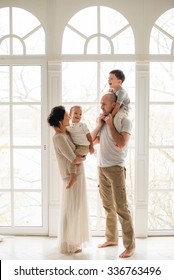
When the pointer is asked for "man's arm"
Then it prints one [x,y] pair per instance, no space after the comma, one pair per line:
[95,132]
[121,139]
[91,148]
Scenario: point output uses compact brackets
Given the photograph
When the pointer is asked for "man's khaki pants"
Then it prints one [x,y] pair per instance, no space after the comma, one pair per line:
[113,195]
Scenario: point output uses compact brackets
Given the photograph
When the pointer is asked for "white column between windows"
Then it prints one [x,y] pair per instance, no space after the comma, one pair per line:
[54,99]
[141,149]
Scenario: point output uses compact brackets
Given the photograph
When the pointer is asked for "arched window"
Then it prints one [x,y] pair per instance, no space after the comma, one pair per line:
[161,143]
[21,111]
[94,42]
[98,30]
[20,37]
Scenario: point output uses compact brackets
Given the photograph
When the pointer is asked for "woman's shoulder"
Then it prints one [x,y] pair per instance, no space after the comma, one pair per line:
[59,137]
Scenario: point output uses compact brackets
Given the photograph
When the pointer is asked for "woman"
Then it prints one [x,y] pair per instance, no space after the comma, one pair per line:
[73,227]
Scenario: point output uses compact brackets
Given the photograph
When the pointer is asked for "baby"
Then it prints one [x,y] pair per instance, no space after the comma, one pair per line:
[82,139]
[121,110]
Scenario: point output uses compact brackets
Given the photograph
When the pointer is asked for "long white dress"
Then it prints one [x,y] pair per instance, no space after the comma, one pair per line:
[73,230]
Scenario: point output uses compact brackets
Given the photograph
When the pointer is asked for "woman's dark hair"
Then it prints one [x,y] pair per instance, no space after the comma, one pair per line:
[119,74]
[56,115]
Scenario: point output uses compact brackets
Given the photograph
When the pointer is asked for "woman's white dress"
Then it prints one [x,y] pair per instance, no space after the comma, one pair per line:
[73,229]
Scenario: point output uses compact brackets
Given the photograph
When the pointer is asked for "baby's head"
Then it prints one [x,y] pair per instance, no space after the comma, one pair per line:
[76,113]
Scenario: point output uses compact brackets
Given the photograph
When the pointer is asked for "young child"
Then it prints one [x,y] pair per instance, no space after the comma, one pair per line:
[81,137]
[121,110]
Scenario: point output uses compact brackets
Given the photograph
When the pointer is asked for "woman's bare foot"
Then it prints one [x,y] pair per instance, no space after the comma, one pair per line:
[73,180]
[127,253]
[78,251]
[107,244]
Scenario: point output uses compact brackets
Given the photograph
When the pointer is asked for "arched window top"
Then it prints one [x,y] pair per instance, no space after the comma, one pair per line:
[98,30]
[162,34]
[20,33]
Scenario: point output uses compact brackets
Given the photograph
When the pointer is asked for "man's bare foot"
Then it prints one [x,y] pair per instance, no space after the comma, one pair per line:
[78,251]
[107,244]
[127,253]
[72,182]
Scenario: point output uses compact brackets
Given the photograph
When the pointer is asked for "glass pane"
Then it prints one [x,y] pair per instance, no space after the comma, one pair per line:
[79,82]
[28,211]
[29,22]
[4,22]
[92,46]
[5,47]
[161,132]
[4,126]
[162,34]
[5,209]
[161,81]
[27,125]
[161,162]
[111,21]
[17,47]
[159,42]
[71,36]
[35,43]
[161,209]
[105,47]
[5,169]
[4,83]
[26,83]
[124,42]
[27,168]
[93,200]
[85,21]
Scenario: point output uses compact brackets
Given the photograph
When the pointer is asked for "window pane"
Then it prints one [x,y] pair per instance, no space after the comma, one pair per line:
[161,81]
[27,125]
[4,126]
[35,43]
[161,209]
[5,47]
[161,125]
[27,83]
[29,22]
[85,21]
[162,34]
[28,210]
[27,168]
[161,162]
[5,169]
[17,47]
[5,209]
[124,42]
[79,82]
[4,22]
[71,36]
[4,83]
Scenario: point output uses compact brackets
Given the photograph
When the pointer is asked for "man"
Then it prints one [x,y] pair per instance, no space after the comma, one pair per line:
[112,173]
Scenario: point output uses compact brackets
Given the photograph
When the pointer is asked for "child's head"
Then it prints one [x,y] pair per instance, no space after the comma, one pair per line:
[76,114]
[116,78]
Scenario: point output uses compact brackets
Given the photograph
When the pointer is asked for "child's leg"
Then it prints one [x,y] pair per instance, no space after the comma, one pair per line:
[122,113]
[73,180]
